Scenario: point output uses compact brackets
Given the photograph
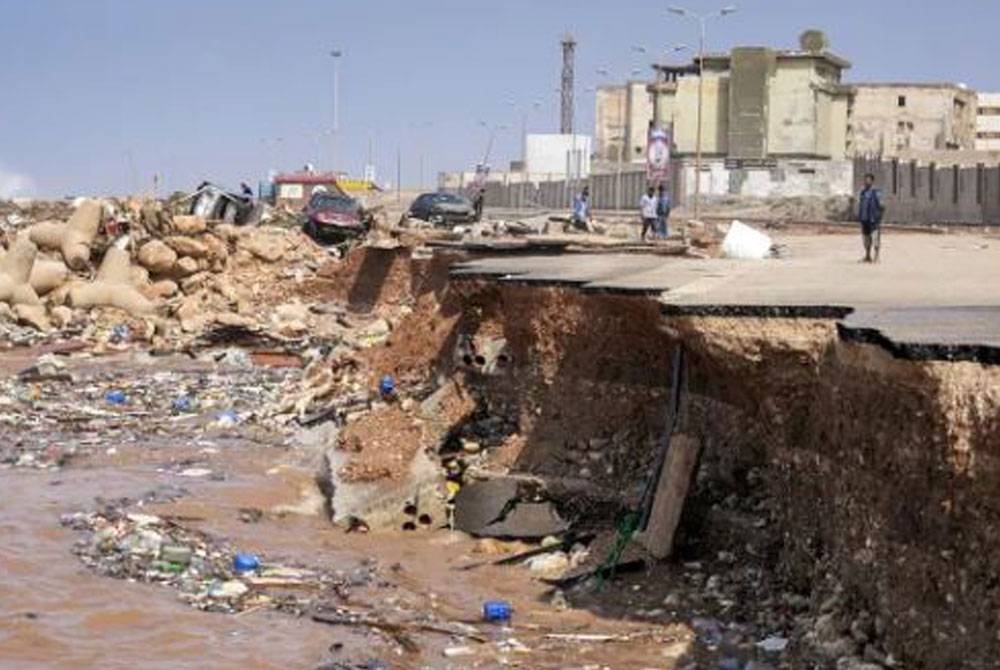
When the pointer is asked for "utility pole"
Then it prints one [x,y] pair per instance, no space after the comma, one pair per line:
[702,20]
[566,110]
[399,174]
[336,54]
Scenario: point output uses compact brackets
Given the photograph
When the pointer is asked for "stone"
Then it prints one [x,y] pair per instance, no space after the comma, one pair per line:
[456,652]
[186,266]
[164,288]
[228,590]
[553,564]
[188,224]
[187,246]
[157,257]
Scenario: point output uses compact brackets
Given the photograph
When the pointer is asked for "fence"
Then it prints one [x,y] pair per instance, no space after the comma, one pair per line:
[914,193]
[607,191]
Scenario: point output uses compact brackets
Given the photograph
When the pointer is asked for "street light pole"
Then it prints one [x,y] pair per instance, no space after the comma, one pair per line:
[702,20]
[336,54]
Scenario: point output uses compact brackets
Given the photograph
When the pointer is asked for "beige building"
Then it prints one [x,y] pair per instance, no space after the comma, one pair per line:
[622,122]
[988,122]
[759,104]
[891,119]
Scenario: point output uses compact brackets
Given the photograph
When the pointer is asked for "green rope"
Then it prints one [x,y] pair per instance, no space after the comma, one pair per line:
[627,526]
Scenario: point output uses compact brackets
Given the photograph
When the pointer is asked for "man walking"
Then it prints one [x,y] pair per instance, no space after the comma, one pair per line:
[581,210]
[870,215]
[662,212]
[647,208]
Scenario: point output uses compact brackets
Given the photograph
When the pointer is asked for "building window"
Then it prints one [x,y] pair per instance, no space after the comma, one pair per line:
[989,111]
[983,135]
[901,101]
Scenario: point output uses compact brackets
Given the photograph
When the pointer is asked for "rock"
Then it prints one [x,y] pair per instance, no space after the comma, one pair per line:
[157,257]
[32,315]
[470,447]
[185,224]
[164,288]
[730,664]
[553,564]
[61,316]
[839,648]
[266,246]
[854,663]
[228,590]
[186,266]
[187,246]
[827,628]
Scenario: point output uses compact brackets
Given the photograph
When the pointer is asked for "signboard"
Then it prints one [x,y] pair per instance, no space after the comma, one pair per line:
[658,156]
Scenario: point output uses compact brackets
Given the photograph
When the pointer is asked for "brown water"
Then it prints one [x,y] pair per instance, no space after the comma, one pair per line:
[55,613]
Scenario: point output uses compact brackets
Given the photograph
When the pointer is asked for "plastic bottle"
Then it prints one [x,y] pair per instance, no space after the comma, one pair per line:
[115,397]
[245,563]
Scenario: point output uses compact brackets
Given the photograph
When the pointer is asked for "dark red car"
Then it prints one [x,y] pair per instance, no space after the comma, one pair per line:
[333,218]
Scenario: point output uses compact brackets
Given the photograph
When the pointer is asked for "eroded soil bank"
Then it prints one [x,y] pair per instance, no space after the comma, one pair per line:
[842,515]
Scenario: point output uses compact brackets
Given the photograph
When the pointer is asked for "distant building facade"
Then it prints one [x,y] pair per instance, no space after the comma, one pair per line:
[988,122]
[891,119]
[622,122]
[759,104]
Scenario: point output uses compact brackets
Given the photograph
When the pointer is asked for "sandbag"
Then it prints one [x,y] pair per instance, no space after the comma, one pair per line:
[47,275]
[72,239]
[112,288]
[15,271]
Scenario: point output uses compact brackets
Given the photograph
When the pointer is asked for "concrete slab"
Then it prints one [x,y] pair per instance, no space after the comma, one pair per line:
[928,290]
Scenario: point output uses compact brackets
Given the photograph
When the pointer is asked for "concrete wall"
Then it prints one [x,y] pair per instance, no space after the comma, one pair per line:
[715,122]
[786,179]
[932,117]
[792,122]
[988,122]
[915,193]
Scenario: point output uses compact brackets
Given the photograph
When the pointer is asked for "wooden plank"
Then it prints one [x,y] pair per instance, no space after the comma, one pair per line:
[671,492]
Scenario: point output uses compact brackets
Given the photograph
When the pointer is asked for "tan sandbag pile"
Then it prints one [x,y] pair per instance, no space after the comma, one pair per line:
[113,287]
[47,275]
[15,274]
[73,238]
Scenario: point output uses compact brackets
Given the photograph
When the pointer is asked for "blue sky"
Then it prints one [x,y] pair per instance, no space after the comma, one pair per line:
[98,95]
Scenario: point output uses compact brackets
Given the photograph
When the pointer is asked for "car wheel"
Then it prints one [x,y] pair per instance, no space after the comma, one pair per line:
[310,229]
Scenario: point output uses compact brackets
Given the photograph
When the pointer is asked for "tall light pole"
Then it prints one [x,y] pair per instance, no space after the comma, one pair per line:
[336,54]
[702,20]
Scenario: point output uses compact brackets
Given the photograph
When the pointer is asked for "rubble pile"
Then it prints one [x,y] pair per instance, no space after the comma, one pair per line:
[133,261]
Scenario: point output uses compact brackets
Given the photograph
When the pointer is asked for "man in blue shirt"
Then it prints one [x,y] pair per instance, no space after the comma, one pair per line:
[870,215]
[662,212]
[581,210]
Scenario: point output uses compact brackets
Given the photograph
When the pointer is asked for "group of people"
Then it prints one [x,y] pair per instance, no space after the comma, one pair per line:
[654,208]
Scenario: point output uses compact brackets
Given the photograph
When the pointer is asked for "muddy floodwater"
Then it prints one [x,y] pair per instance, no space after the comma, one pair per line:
[55,612]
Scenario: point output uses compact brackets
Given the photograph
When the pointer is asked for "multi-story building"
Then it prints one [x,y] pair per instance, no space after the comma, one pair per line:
[900,118]
[622,122]
[988,122]
[758,104]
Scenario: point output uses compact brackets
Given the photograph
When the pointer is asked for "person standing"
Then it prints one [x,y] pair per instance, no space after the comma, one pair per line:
[478,202]
[647,208]
[870,216]
[662,212]
[581,210]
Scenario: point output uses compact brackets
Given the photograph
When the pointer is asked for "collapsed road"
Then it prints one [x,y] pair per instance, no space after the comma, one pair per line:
[808,485]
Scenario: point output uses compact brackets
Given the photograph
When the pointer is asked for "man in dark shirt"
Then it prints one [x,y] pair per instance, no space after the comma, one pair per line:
[870,216]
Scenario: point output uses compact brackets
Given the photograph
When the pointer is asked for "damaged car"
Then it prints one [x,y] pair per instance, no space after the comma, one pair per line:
[443,209]
[334,218]
[214,203]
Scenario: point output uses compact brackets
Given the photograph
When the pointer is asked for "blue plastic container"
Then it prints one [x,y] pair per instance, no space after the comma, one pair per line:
[245,563]
[183,404]
[497,611]
[115,397]
[387,386]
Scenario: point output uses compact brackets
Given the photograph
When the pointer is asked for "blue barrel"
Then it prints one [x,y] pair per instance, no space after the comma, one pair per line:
[497,611]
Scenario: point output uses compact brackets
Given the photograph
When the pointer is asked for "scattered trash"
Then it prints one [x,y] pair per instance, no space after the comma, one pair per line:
[744,242]
[497,611]
[183,404]
[773,644]
[227,419]
[115,397]
[245,563]
[387,386]
[120,334]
